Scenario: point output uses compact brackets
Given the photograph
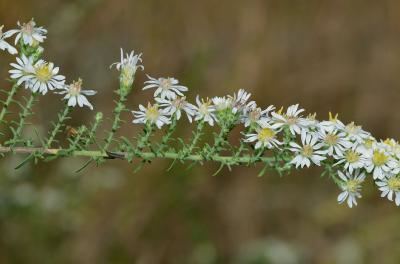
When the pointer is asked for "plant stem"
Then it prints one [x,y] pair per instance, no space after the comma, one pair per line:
[27,111]
[62,117]
[144,155]
[143,141]
[219,141]
[242,145]
[74,144]
[117,120]
[8,101]
[196,137]
[167,136]
[92,132]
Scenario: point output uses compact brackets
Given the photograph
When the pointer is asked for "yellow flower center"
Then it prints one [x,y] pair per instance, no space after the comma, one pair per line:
[390,142]
[308,151]
[75,88]
[379,158]
[152,112]
[352,156]
[368,143]
[394,183]
[352,185]
[43,72]
[203,108]
[266,134]
[331,139]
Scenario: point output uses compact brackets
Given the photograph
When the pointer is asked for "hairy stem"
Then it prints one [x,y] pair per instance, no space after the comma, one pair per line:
[74,144]
[220,140]
[196,137]
[168,134]
[7,102]
[62,117]
[143,141]
[242,145]
[92,133]
[117,119]
[27,111]
[145,155]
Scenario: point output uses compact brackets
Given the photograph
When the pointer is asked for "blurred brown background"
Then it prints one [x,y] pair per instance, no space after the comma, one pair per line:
[341,56]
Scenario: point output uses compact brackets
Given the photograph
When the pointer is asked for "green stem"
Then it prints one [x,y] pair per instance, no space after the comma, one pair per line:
[75,142]
[143,141]
[62,117]
[8,101]
[242,145]
[27,111]
[219,140]
[196,137]
[117,119]
[170,131]
[144,155]
[89,140]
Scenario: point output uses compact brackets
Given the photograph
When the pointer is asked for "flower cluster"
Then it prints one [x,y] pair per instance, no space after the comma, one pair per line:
[348,149]
[170,103]
[347,152]
[35,74]
[350,152]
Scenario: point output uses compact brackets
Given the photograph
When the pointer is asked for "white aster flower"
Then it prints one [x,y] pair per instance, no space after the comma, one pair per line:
[29,33]
[355,133]
[367,145]
[253,114]
[351,187]
[240,101]
[351,159]
[291,119]
[75,95]
[390,186]
[310,151]
[128,66]
[379,162]
[265,136]
[313,126]
[222,103]
[165,87]
[4,45]
[392,146]
[176,106]
[23,71]
[152,115]
[205,111]
[45,77]
[130,60]
[335,141]
[332,124]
